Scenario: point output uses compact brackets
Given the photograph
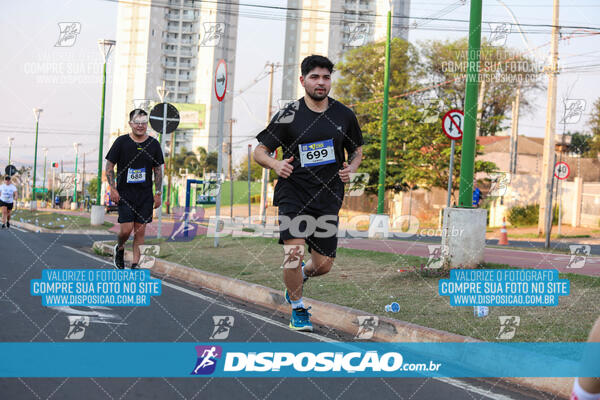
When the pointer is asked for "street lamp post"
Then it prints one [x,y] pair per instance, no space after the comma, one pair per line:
[76,146]
[36,113]
[97,217]
[10,141]
[45,156]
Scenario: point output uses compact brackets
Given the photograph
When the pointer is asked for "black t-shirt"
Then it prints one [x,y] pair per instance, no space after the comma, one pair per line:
[317,141]
[134,164]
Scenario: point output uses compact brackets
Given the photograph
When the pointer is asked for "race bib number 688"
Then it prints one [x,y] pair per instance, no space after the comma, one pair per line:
[136,175]
[317,153]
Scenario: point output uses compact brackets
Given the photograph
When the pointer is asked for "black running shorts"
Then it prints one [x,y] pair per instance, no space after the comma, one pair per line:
[9,206]
[136,209]
[319,232]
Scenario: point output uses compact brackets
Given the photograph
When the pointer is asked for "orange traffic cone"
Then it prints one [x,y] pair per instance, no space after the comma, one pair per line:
[503,234]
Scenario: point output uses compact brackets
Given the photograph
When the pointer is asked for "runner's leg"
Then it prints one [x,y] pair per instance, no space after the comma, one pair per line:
[292,274]
[139,233]
[592,385]
[124,233]
[318,264]
[4,210]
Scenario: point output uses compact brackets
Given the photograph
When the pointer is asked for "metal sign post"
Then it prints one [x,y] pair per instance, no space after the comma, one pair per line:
[164,118]
[452,125]
[220,90]
[561,172]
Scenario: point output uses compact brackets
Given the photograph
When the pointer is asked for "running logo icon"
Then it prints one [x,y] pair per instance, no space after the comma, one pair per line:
[431,110]
[213,33]
[223,325]
[574,109]
[579,253]
[148,255]
[77,325]
[287,111]
[186,227]
[358,33]
[437,252]
[499,33]
[358,183]
[499,184]
[207,359]
[508,326]
[366,326]
[68,34]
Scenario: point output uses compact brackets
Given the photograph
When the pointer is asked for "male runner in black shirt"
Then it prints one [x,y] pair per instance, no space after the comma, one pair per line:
[313,133]
[136,156]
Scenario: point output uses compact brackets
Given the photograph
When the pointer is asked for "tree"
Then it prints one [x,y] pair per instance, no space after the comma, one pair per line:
[418,152]
[594,124]
[502,69]
[93,186]
[195,163]
[241,171]
[580,143]
[211,161]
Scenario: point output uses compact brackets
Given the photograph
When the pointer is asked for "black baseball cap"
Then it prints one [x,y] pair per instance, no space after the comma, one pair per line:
[7,177]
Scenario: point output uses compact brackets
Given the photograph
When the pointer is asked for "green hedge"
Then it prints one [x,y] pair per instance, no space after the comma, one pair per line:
[528,215]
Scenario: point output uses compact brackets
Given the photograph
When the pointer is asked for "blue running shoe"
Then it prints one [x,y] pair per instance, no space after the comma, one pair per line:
[301,320]
[287,295]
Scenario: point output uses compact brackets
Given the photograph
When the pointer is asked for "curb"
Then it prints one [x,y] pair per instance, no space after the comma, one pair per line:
[38,229]
[327,314]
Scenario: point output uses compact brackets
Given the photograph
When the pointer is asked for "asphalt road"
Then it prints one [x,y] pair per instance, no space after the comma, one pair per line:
[178,315]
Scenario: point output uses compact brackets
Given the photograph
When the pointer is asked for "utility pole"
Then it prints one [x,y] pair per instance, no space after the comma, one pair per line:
[249,184]
[384,116]
[480,106]
[36,113]
[514,134]
[10,141]
[76,145]
[83,180]
[231,122]
[53,184]
[265,175]
[549,151]
[172,154]
[45,156]
[467,162]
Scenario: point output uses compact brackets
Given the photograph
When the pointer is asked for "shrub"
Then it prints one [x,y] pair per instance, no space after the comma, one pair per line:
[528,215]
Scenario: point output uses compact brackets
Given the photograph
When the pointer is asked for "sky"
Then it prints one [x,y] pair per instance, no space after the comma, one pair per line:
[66,82]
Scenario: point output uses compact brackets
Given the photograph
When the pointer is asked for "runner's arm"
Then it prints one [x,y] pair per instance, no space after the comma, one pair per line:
[355,158]
[262,157]
[110,174]
[158,179]
[283,168]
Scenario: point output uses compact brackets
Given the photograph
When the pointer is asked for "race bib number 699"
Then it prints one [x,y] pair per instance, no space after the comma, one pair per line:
[317,153]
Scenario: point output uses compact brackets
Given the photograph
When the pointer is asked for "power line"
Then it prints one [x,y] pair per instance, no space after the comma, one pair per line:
[345,13]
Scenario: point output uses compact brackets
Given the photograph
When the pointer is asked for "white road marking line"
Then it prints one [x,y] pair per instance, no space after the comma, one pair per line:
[210,299]
[19,229]
[474,389]
[257,316]
[83,253]
[449,381]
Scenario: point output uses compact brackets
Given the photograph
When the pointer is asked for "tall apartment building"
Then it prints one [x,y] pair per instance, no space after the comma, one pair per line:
[177,43]
[330,27]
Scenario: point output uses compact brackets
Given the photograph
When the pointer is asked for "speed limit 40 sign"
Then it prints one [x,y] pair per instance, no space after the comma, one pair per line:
[562,170]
